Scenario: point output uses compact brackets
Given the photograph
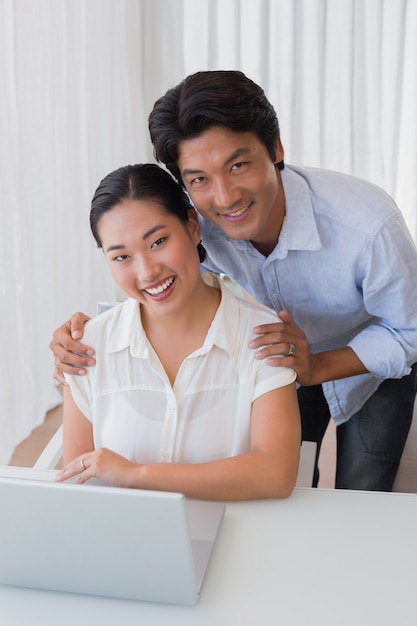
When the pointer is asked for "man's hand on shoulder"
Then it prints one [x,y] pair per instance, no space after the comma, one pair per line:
[282,344]
[71,356]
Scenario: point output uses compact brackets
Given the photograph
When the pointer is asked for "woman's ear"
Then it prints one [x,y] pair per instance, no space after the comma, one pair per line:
[194,226]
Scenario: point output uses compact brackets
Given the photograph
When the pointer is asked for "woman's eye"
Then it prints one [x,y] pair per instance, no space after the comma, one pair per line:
[121,257]
[158,242]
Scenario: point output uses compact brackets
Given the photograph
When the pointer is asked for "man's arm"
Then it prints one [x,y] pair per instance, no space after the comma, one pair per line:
[71,356]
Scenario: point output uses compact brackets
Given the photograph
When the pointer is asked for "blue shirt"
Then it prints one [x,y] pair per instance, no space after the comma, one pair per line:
[344,267]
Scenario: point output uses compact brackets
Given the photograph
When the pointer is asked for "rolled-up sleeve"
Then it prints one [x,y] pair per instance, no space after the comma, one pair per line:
[388,347]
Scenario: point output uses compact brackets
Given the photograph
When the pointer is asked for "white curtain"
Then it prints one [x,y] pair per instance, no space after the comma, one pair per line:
[71,107]
[77,80]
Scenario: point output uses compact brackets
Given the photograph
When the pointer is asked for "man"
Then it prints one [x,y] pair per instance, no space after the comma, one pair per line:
[330,253]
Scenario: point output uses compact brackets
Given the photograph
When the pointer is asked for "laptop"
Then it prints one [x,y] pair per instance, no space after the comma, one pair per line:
[93,539]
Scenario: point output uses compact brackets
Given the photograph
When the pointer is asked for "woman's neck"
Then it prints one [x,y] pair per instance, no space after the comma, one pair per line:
[174,337]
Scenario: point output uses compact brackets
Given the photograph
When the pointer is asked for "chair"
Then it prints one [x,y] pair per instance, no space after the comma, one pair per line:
[52,453]
[306,465]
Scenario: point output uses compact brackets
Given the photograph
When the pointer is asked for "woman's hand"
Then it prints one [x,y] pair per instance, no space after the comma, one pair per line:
[110,467]
[71,356]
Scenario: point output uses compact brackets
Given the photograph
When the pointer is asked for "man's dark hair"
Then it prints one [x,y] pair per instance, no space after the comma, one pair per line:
[225,98]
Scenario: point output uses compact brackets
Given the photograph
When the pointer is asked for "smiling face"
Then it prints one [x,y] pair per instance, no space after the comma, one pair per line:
[233,183]
[152,254]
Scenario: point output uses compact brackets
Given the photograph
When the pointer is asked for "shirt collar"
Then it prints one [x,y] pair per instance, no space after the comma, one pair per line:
[125,330]
[299,230]
[223,329]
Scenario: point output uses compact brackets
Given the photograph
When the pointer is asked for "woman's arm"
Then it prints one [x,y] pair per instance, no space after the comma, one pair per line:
[269,470]
[78,430]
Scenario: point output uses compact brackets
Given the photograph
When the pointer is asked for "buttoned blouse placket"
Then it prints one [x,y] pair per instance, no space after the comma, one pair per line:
[174,395]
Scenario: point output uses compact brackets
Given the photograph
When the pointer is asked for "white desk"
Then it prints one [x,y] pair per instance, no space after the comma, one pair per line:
[321,557]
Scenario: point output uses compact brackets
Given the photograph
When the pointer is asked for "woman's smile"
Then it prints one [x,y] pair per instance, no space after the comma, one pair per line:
[161,290]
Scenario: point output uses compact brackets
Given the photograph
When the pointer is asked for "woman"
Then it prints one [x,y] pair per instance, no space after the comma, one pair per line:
[177,401]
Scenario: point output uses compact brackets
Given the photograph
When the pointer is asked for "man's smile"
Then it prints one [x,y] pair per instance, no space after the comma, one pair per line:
[234,215]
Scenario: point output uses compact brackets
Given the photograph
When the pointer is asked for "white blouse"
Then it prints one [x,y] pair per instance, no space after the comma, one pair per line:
[205,415]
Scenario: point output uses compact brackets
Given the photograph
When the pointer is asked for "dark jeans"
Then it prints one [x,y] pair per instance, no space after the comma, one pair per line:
[371,442]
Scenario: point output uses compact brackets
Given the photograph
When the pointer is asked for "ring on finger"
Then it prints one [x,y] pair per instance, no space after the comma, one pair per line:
[82,464]
[291,350]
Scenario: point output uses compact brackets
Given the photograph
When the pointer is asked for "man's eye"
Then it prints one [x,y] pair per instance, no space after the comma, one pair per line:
[197,180]
[237,166]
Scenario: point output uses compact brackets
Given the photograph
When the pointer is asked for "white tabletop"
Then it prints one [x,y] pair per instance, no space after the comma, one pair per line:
[321,557]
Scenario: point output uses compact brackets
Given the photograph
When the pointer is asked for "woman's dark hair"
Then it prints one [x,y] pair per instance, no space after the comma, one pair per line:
[140,182]
[224,98]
